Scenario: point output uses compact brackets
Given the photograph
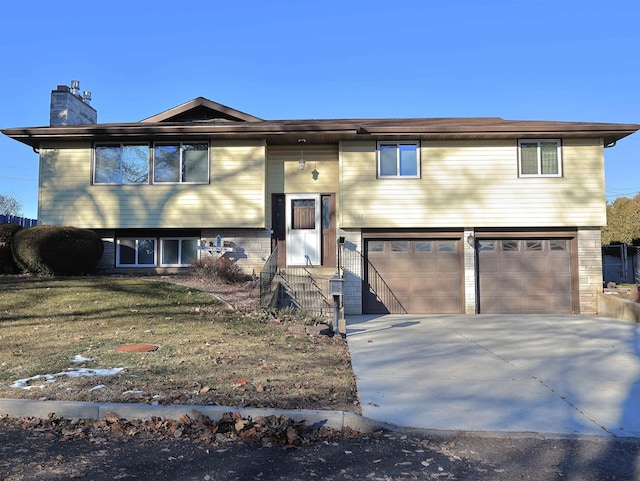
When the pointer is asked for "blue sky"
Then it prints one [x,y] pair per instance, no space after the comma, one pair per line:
[573,60]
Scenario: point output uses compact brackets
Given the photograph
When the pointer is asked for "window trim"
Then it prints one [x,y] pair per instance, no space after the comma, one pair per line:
[398,175]
[539,157]
[119,144]
[179,144]
[137,264]
[158,246]
[160,250]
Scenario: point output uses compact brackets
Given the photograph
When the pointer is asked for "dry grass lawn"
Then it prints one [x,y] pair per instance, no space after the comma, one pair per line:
[207,352]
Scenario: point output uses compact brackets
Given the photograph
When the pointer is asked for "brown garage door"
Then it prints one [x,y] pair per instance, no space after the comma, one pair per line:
[525,276]
[413,276]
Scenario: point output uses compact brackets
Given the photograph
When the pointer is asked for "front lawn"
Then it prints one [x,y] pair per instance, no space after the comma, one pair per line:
[207,353]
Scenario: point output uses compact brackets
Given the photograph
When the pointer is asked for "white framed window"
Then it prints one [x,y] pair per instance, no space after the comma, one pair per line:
[132,252]
[178,252]
[121,164]
[153,251]
[539,158]
[399,159]
[177,163]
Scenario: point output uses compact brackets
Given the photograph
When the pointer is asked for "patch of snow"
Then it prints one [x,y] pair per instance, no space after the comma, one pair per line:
[80,358]
[72,372]
[133,392]
[99,386]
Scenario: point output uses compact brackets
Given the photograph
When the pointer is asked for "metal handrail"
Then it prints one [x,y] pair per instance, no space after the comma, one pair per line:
[267,275]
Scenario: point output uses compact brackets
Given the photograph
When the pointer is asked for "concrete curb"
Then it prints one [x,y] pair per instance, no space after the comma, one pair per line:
[337,420]
[88,410]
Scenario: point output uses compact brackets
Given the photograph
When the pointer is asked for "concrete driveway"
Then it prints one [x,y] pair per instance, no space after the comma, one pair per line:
[559,374]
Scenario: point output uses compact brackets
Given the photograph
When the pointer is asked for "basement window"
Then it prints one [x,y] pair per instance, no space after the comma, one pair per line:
[153,251]
[136,253]
[178,252]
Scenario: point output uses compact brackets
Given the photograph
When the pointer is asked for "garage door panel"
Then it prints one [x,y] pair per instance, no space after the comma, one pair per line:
[559,266]
[489,286]
[558,303]
[525,275]
[510,304]
[448,305]
[425,277]
[402,263]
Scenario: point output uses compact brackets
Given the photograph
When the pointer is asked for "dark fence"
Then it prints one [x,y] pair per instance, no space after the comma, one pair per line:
[15,219]
[621,264]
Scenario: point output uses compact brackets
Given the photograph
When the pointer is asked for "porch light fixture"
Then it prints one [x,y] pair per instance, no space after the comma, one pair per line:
[471,240]
[301,161]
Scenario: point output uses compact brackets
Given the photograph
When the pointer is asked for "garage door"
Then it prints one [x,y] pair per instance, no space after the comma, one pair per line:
[525,276]
[413,276]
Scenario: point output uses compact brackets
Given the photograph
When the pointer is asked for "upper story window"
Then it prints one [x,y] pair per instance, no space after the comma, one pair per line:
[539,158]
[121,164]
[181,163]
[399,159]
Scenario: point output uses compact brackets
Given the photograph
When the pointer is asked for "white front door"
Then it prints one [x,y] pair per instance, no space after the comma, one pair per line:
[303,229]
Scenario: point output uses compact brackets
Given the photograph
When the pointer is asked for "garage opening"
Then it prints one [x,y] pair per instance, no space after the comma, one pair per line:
[413,275]
[526,276]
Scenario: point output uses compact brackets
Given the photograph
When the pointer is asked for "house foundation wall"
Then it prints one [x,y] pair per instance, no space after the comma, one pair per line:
[250,248]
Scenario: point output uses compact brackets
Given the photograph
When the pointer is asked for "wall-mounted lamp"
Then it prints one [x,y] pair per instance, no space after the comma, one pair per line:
[471,240]
[301,161]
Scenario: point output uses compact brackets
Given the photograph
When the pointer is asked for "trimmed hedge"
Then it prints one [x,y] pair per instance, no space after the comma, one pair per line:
[7,232]
[57,250]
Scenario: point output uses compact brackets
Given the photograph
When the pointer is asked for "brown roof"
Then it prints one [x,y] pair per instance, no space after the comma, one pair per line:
[202,118]
[200,109]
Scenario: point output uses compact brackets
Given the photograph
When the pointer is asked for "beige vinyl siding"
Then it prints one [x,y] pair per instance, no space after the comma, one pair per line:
[473,183]
[284,174]
[234,197]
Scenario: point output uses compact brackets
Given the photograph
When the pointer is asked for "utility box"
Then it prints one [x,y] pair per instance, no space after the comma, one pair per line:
[335,285]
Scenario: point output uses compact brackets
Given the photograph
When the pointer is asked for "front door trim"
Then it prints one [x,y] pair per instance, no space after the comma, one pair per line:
[304,245]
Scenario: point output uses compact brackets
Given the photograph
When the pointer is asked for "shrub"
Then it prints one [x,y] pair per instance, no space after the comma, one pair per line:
[57,250]
[7,264]
[220,269]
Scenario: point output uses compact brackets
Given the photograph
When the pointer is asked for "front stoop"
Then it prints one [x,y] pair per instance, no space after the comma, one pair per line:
[306,289]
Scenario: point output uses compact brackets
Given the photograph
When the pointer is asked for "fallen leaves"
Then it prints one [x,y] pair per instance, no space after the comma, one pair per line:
[197,427]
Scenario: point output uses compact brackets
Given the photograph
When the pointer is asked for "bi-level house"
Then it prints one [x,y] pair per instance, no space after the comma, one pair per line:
[420,215]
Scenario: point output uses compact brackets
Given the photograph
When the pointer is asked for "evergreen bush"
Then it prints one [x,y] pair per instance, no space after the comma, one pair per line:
[57,250]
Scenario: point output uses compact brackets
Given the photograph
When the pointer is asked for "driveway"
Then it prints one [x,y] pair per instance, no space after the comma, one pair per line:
[560,374]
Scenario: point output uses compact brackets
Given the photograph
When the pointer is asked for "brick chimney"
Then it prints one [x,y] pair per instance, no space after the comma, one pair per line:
[68,107]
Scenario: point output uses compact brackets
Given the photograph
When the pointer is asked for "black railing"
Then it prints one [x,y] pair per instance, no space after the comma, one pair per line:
[301,290]
[266,276]
[355,267]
